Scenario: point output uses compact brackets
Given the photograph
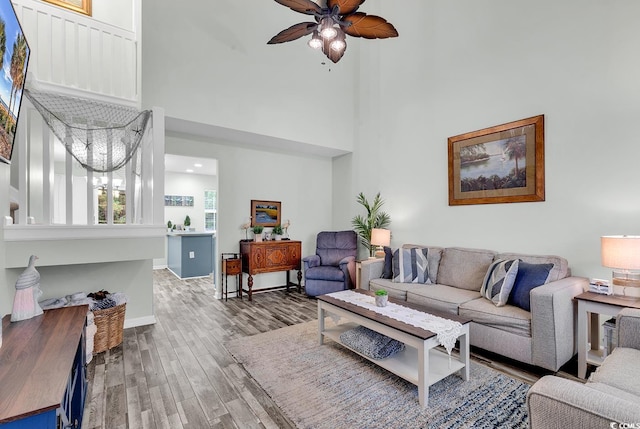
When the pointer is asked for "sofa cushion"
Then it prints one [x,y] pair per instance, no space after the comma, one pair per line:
[433,258]
[464,268]
[442,298]
[410,265]
[395,290]
[617,393]
[529,277]
[621,369]
[499,280]
[333,246]
[508,318]
[560,265]
[324,272]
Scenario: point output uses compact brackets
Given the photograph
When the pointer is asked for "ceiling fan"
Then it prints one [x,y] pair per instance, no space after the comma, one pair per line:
[332,23]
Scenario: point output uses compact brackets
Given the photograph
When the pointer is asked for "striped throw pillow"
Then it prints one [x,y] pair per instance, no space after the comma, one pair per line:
[410,265]
[499,281]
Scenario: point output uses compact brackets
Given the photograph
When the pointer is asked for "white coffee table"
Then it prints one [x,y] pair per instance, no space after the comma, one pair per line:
[420,363]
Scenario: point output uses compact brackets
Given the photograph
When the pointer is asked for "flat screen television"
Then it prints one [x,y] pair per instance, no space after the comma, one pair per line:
[15,53]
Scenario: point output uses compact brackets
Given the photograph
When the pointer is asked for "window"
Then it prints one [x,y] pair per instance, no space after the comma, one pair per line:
[210,210]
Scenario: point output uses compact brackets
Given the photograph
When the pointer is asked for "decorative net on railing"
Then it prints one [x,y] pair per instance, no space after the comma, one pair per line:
[101,136]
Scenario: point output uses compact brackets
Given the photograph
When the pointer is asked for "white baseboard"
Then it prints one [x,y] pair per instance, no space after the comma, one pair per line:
[139,321]
[160,267]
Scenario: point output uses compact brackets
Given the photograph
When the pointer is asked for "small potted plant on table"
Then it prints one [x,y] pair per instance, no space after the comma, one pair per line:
[277,232]
[187,223]
[257,232]
[382,298]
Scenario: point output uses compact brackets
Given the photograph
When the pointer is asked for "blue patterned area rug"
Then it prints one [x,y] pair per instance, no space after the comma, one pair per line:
[331,387]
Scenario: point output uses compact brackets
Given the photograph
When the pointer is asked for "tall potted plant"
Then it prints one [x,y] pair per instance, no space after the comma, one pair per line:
[375,218]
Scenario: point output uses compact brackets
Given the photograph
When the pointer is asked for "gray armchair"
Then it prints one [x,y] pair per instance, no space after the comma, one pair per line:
[610,398]
[333,267]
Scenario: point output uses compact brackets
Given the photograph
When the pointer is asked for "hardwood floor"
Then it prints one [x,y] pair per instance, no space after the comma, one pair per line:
[177,374]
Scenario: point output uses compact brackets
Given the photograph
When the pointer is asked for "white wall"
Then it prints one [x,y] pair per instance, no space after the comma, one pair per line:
[301,184]
[209,62]
[188,184]
[467,66]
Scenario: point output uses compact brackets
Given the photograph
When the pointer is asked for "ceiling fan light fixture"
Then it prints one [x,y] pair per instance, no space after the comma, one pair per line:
[328,31]
[338,45]
[316,41]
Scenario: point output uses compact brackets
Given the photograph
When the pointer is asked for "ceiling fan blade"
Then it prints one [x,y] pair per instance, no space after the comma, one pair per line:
[369,26]
[333,55]
[303,6]
[346,6]
[294,32]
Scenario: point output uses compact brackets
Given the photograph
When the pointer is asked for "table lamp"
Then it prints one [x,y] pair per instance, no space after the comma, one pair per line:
[622,254]
[380,238]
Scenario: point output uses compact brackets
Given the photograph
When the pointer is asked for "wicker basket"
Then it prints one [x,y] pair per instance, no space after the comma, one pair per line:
[110,325]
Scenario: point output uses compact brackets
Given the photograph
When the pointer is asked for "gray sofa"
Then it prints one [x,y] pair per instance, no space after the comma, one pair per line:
[611,397]
[544,336]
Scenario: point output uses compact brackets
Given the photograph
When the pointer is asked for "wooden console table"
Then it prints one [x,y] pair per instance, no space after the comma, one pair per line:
[270,257]
[42,370]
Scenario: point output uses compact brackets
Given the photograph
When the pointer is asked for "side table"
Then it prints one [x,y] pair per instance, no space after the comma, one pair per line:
[231,265]
[596,304]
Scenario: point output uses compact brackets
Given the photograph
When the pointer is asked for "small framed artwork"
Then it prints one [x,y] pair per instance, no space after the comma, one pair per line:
[500,164]
[80,6]
[265,213]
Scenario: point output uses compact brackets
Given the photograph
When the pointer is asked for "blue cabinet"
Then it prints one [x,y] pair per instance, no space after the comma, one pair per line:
[190,254]
[43,370]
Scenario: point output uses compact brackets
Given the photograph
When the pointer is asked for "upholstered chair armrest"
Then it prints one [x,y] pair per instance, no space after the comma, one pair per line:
[628,323]
[311,261]
[553,321]
[370,269]
[555,402]
[348,267]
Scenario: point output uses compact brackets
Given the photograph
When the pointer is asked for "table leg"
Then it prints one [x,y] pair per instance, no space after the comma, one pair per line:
[288,281]
[225,288]
[423,374]
[320,323]
[594,327]
[464,353]
[299,281]
[250,285]
[582,340]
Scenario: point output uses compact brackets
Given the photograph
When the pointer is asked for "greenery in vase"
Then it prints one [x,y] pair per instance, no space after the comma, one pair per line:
[277,230]
[169,225]
[257,229]
[381,292]
[375,218]
[187,221]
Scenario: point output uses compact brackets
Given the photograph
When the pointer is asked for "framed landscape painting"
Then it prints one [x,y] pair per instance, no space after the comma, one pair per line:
[265,213]
[501,164]
[80,6]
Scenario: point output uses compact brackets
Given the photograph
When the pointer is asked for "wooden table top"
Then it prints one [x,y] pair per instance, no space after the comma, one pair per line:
[609,299]
[36,358]
[389,321]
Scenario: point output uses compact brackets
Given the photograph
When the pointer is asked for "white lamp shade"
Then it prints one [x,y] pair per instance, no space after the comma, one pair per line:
[380,237]
[621,251]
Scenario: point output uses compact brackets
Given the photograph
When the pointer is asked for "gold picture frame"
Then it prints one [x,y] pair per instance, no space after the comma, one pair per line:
[265,213]
[500,164]
[80,6]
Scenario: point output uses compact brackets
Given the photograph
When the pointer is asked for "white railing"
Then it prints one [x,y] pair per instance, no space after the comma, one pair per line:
[57,198]
[74,52]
